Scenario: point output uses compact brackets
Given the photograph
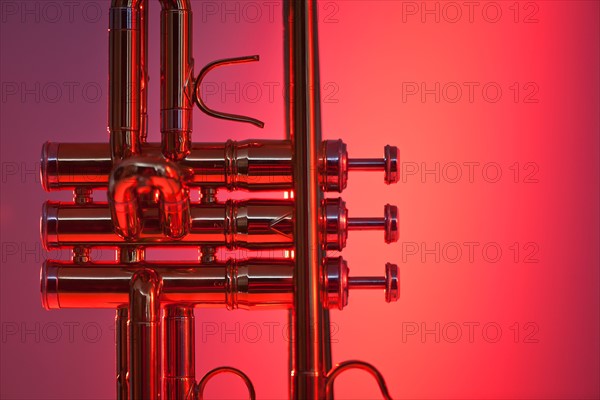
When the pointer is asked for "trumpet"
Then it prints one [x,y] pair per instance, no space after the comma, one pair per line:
[149,206]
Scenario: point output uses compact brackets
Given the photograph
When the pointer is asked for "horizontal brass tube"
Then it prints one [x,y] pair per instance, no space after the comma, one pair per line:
[247,284]
[249,164]
[252,224]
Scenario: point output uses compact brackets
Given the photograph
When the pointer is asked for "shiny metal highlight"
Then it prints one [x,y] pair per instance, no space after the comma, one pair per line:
[148,204]
[356,364]
[220,114]
[135,177]
[222,370]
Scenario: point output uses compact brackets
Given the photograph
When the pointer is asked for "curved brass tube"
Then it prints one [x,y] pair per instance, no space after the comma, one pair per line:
[351,364]
[222,370]
[219,114]
[136,176]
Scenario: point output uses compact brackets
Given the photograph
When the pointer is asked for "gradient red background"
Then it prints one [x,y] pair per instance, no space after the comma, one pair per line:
[371,52]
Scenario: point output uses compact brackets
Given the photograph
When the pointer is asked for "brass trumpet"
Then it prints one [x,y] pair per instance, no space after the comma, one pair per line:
[149,205]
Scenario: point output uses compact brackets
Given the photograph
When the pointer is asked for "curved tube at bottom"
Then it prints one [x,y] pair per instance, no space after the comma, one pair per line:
[356,364]
[223,370]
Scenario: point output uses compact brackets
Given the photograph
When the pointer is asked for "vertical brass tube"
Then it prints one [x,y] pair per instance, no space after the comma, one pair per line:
[144,70]
[179,376]
[176,78]
[327,361]
[316,99]
[124,78]
[307,380]
[126,66]
[121,339]
[144,323]
[177,81]
[287,68]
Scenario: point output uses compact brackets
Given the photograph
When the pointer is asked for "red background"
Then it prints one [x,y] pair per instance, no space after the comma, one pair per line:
[372,55]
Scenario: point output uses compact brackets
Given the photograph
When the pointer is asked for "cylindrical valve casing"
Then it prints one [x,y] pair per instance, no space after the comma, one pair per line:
[248,164]
[248,284]
[252,224]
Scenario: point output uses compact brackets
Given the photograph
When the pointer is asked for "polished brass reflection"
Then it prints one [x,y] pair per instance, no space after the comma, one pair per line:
[152,191]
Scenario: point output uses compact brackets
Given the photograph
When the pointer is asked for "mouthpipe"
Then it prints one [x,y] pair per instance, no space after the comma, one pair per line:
[247,285]
[252,224]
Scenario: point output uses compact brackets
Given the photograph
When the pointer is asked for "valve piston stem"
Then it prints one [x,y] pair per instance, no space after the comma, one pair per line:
[366,164]
[366,282]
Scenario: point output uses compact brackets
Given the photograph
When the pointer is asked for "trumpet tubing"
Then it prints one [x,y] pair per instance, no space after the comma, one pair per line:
[149,205]
[249,164]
